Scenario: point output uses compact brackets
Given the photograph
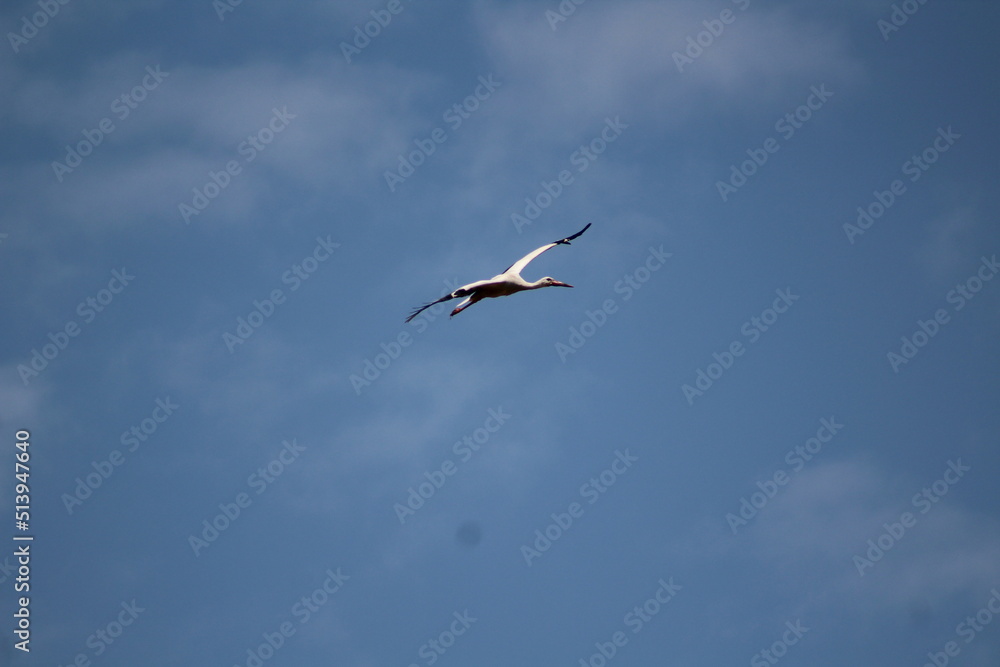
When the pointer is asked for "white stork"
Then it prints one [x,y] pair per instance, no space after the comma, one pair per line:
[508,282]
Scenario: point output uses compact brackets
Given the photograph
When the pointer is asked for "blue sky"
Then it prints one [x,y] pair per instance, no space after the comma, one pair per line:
[762,428]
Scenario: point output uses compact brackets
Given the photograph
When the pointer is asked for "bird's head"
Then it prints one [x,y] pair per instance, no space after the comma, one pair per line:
[548,281]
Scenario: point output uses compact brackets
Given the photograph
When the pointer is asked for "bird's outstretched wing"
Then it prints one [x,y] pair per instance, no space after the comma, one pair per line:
[420,309]
[464,290]
[519,265]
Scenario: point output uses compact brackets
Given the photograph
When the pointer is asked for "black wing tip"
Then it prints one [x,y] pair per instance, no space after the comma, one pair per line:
[420,309]
[416,311]
[570,238]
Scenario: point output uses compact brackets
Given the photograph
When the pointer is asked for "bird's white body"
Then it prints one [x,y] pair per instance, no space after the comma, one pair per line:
[504,284]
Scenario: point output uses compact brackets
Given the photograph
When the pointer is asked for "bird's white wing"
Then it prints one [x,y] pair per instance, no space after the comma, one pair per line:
[518,266]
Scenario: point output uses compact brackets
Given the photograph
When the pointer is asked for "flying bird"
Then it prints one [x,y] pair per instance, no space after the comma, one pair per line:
[508,282]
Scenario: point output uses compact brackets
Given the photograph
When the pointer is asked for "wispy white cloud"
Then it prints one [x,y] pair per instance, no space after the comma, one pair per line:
[607,59]
[814,528]
[345,126]
[949,244]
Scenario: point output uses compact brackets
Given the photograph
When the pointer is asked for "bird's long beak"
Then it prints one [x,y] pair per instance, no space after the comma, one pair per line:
[556,283]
